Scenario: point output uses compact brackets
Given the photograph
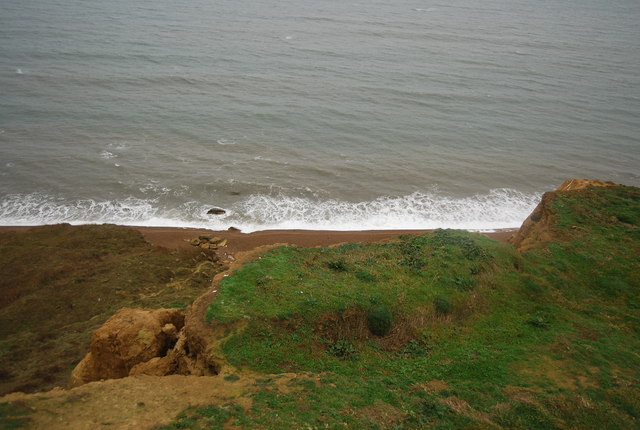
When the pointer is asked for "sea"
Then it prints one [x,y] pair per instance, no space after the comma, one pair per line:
[311,114]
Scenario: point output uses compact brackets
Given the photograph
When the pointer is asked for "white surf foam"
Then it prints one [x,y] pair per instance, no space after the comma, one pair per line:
[106,155]
[225,142]
[36,209]
[500,208]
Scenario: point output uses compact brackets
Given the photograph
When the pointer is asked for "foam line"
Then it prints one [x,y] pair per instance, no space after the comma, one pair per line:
[499,208]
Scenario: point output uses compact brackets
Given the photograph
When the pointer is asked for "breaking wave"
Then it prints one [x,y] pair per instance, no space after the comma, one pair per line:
[499,208]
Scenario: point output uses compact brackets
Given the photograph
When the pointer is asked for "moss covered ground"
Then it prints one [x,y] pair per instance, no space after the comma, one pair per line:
[60,283]
[444,330]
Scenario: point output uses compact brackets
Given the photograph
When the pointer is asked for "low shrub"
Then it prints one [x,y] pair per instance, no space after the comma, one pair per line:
[464,283]
[379,320]
[365,276]
[442,305]
[337,265]
[344,350]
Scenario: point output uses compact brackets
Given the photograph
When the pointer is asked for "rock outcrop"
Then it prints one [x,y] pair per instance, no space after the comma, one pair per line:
[538,227]
[126,340]
[151,342]
[216,211]
[209,242]
[581,184]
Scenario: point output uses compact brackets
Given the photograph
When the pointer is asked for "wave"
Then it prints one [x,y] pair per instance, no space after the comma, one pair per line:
[499,208]
[106,155]
[225,142]
[37,209]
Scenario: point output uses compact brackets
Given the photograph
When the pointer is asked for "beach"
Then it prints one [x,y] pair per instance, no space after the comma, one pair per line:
[237,241]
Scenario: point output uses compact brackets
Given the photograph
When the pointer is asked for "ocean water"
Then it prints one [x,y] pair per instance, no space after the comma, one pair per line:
[325,114]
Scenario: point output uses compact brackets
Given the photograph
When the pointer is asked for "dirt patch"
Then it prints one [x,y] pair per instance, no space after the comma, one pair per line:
[129,403]
[61,282]
[553,370]
[141,401]
[160,342]
[432,386]
[462,407]
[520,394]
[353,324]
[582,184]
[558,372]
[538,227]
[586,333]
[381,413]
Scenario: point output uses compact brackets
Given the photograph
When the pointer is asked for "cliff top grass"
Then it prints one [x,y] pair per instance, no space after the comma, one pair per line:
[445,330]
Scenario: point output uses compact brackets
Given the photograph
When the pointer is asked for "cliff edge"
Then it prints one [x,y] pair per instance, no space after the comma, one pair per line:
[538,228]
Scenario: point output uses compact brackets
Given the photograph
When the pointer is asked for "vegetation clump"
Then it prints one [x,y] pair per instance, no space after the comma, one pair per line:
[442,305]
[13,416]
[365,276]
[209,417]
[337,265]
[343,349]
[379,320]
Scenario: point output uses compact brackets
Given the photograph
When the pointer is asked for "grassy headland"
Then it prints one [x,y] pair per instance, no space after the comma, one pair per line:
[448,329]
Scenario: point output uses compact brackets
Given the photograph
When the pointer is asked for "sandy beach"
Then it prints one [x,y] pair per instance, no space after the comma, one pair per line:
[175,237]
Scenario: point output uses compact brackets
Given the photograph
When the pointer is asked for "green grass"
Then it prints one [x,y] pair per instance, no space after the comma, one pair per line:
[13,416]
[297,282]
[209,417]
[480,337]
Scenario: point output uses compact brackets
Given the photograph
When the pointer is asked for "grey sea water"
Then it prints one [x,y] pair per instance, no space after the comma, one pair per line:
[311,114]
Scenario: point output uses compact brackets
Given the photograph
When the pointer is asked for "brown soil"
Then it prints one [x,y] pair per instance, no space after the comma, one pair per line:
[60,283]
[433,386]
[136,402]
[582,184]
[380,413]
[461,407]
[239,242]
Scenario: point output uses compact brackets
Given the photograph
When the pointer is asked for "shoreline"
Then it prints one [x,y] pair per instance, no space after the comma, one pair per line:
[237,241]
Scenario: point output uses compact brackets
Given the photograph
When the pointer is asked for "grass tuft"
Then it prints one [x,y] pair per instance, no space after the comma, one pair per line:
[379,320]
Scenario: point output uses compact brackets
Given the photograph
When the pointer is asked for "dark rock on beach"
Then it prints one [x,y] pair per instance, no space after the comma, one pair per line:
[216,211]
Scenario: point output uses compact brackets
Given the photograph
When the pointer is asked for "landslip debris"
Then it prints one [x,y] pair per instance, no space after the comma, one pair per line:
[208,242]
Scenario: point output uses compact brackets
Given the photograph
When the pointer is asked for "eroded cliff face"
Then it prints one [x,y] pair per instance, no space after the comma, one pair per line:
[538,229]
[156,342]
[138,341]
[127,340]
[581,184]
[160,342]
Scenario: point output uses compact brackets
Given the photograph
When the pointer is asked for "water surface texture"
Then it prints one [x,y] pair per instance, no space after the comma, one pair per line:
[311,114]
